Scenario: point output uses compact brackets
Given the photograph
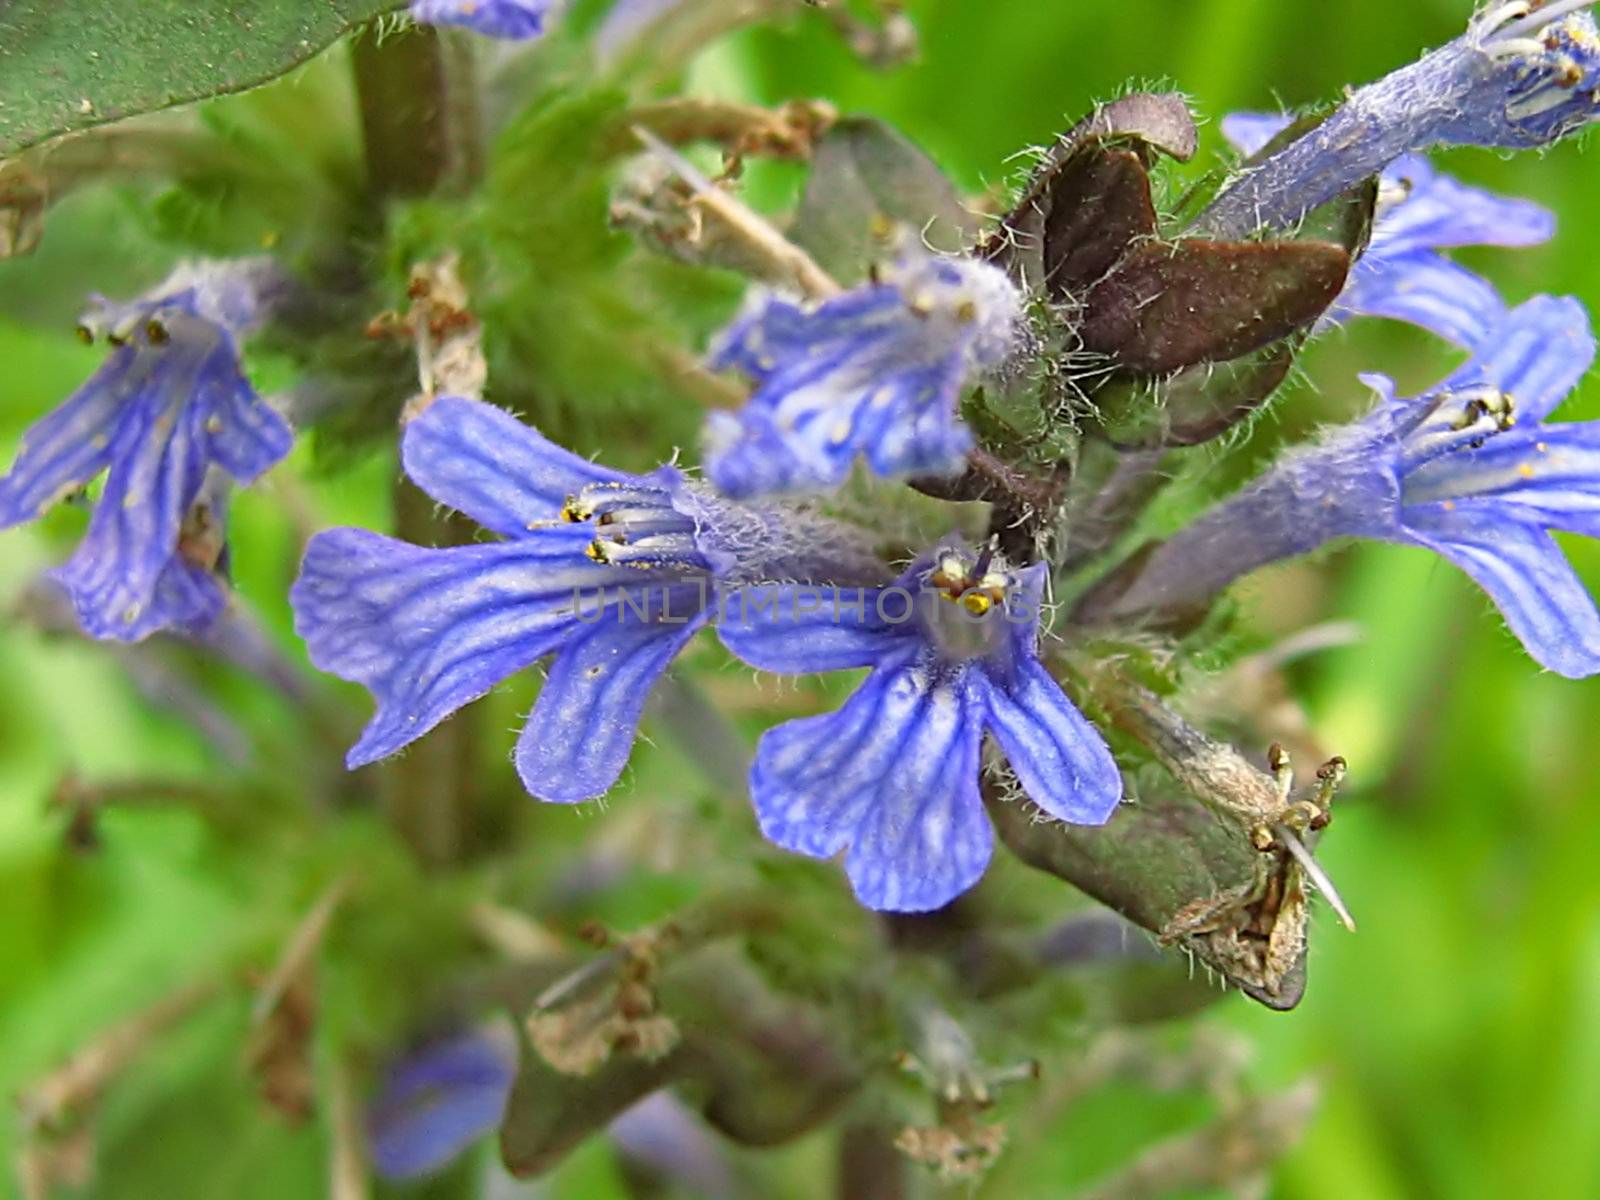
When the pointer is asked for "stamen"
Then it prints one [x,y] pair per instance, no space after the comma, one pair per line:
[1282,771]
[1315,874]
[1506,13]
[156,332]
[1529,48]
[1543,100]
[84,334]
[1535,17]
[1492,403]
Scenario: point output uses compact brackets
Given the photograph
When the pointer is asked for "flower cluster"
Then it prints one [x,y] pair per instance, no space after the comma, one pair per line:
[610,576]
[614,574]
[607,577]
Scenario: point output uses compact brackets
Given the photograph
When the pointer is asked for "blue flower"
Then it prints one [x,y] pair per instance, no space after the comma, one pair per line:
[1523,75]
[168,420]
[892,777]
[611,573]
[1401,275]
[1470,470]
[513,19]
[875,372]
[437,1102]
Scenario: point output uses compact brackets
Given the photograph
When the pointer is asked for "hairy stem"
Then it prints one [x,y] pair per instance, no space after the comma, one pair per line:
[420,138]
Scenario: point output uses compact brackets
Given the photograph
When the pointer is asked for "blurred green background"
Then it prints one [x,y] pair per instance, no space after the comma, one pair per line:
[1455,1034]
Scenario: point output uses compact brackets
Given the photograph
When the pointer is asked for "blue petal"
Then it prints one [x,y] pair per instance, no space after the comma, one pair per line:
[157,464]
[1548,475]
[1426,290]
[582,730]
[483,461]
[806,439]
[427,631]
[243,435]
[1440,211]
[1249,132]
[893,777]
[1061,761]
[797,630]
[66,449]
[511,19]
[875,372]
[436,1103]
[1527,577]
[1537,355]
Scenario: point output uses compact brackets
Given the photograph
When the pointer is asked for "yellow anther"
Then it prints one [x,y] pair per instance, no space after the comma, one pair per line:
[156,332]
[967,312]
[597,551]
[1525,471]
[574,511]
[977,603]
[921,306]
[84,334]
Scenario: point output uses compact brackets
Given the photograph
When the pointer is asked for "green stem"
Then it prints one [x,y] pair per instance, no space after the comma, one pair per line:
[421,136]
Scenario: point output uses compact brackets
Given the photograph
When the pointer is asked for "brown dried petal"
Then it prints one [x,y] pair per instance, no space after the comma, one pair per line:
[1172,305]
[1099,207]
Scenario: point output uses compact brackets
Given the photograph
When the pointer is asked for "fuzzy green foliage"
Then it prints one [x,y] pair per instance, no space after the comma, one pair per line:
[75,66]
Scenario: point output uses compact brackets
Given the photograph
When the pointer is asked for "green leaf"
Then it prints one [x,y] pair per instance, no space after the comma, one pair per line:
[65,67]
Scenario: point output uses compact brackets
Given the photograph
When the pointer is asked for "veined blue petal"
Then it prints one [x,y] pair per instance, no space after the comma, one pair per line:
[1059,758]
[892,777]
[65,450]
[243,435]
[157,467]
[483,461]
[1426,290]
[1523,570]
[511,19]
[582,730]
[874,373]
[1436,211]
[437,1102]
[1543,474]
[1546,475]
[427,631]
[1537,355]
[798,630]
